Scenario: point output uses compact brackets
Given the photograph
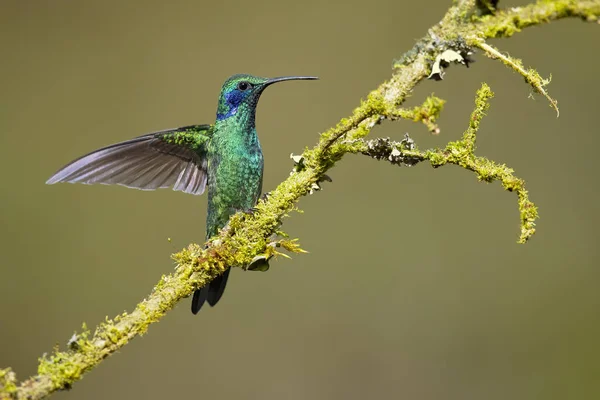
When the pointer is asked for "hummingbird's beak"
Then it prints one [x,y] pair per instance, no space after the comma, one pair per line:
[289,78]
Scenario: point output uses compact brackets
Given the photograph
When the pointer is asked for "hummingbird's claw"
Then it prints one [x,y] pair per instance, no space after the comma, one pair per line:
[251,211]
[265,196]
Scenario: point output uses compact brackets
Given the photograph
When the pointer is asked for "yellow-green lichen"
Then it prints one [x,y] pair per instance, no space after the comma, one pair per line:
[8,381]
[507,23]
[427,113]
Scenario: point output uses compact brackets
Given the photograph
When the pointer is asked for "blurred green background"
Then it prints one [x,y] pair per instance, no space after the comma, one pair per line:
[414,286]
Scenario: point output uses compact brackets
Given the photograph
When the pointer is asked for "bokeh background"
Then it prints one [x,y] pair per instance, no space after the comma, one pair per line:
[414,286]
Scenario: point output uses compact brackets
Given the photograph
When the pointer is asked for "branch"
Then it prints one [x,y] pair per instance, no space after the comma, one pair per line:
[249,237]
[461,153]
[531,76]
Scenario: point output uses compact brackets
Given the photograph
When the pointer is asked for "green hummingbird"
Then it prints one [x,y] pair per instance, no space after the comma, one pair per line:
[226,156]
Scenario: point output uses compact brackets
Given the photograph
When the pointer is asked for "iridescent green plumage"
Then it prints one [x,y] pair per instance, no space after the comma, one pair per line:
[226,156]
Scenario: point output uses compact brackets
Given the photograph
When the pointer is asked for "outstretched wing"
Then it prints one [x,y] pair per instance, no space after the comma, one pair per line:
[171,158]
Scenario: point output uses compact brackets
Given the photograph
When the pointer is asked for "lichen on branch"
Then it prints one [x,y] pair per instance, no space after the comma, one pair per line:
[427,113]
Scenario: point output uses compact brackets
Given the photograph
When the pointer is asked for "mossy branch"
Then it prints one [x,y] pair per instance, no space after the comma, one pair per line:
[249,236]
[461,153]
[531,75]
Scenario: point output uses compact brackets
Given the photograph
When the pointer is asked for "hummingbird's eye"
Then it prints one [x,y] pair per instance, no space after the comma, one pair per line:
[244,85]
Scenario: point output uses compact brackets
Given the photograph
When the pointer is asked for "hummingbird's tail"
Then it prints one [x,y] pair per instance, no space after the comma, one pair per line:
[211,292]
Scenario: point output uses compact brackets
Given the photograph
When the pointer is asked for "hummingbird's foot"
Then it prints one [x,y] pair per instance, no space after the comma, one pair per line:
[250,211]
[265,196]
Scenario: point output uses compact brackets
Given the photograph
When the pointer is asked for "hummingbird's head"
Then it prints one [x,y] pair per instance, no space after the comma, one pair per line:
[241,92]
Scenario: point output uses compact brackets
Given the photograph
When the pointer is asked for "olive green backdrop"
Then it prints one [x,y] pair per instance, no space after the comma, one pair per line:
[414,287]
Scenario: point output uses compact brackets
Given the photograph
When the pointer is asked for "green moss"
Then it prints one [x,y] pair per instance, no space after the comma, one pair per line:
[62,369]
[507,23]
[427,113]
[8,381]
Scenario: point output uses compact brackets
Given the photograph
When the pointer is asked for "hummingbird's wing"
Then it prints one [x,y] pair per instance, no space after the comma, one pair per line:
[170,158]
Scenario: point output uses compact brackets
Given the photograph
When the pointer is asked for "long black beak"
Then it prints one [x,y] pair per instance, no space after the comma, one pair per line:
[290,78]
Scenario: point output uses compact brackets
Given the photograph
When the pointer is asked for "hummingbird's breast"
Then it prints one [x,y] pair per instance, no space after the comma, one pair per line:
[235,172]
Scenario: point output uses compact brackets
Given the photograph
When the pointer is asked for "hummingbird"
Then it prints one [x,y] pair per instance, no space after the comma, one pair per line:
[225,156]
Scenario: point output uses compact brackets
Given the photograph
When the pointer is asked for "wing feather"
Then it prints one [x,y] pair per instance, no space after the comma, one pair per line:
[172,158]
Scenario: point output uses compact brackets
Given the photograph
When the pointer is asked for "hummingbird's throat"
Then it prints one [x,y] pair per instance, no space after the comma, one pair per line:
[240,105]
[242,117]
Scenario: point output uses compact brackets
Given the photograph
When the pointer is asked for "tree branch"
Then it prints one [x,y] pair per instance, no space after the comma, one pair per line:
[249,237]
[461,153]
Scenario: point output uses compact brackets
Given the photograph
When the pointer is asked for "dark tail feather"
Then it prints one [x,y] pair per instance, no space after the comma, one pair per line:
[199,298]
[217,287]
[211,293]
